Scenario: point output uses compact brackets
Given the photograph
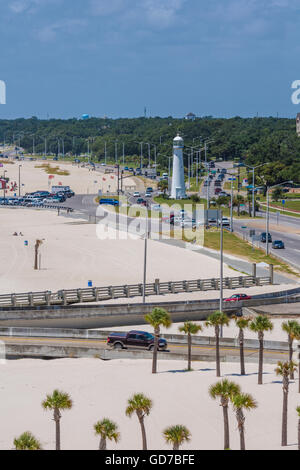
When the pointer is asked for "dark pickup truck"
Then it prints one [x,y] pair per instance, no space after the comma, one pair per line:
[135,339]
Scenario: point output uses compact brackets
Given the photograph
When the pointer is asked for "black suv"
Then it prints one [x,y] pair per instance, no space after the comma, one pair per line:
[263,237]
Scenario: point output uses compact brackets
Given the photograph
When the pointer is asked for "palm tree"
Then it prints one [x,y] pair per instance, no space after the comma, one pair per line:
[284,369]
[157,318]
[225,390]
[242,323]
[177,435]
[291,327]
[241,402]
[298,411]
[141,405]
[238,201]
[259,325]
[57,402]
[217,320]
[106,429]
[190,328]
[27,442]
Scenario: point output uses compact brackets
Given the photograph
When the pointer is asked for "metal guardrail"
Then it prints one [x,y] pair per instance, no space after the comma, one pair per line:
[96,294]
[40,206]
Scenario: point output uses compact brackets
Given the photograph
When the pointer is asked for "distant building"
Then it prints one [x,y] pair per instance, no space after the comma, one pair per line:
[190,117]
[298,124]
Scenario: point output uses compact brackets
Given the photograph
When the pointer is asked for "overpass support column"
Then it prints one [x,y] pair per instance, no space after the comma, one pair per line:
[254,270]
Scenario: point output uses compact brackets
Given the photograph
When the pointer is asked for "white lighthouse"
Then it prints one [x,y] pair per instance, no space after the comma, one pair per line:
[178,184]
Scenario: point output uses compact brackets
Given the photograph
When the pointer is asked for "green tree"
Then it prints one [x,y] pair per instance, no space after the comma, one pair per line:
[242,323]
[157,318]
[107,430]
[237,202]
[292,328]
[225,390]
[284,369]
[27,442]
[57,402]
[141,405]
[260,325]
[177,435]
[190,328]
[217,320]
[241,402]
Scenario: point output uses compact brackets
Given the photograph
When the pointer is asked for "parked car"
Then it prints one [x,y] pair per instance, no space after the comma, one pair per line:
[109,202]
[136,194]
[238,298]
[135,339]
[263,237]
[278,245]
[148,195]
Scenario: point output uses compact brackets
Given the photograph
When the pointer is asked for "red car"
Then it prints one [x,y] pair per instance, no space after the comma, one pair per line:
[238,298]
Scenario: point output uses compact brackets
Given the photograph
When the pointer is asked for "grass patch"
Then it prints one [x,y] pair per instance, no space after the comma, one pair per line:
[234,245]
[52,170]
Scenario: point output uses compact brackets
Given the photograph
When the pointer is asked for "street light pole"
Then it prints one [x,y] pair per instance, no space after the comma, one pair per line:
[221,267]
[145,256]
[20,180]
[268,211]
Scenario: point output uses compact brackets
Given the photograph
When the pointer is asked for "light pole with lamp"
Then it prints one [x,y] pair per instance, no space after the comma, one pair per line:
[253,168]
[268,211]
[20,166]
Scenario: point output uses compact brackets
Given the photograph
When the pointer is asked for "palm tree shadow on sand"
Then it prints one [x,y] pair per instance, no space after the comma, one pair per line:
[180,371]
[246,375]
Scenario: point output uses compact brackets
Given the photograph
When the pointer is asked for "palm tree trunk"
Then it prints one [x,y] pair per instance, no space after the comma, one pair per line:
[284,418]
[242,356]
[241,420]
[292,376]
[226,427]
[144,438]
[102,445]
[218,367]
[189,352]
[57,428]
[261,358]
[155,349]
[175,446]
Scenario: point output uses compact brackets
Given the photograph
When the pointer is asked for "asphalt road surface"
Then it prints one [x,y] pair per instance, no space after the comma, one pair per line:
[172,349]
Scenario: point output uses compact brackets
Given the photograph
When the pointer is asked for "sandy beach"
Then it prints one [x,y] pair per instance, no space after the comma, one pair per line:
[101,389]
[81,179]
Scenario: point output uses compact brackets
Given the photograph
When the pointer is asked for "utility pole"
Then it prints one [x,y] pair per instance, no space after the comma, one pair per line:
[123,153]
[20,180]
[105,152]
[116,152]
[221,268]
[145,256]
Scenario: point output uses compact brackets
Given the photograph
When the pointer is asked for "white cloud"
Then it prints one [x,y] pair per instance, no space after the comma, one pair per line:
[106,7]
[162,12]
[68,26]
[20,6]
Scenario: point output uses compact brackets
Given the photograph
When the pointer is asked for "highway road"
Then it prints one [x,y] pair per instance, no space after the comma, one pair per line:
[174,348]
[282,227]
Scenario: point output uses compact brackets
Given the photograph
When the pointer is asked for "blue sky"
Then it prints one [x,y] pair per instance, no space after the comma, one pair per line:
[63,58]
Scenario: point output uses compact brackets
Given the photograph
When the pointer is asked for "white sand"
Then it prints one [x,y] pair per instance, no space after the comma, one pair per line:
[72,254]
[82,180]
[101,389]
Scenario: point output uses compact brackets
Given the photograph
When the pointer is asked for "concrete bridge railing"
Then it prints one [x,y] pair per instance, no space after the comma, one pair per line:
[96,294]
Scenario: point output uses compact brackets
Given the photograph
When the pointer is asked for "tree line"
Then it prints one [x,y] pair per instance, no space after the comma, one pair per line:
[251,140]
